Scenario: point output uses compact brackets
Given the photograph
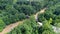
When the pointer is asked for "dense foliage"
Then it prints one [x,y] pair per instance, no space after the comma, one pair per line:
[2,24]
[46,28]
[49,3]
[28,27]
[52,12]
[31,27]
[13,10]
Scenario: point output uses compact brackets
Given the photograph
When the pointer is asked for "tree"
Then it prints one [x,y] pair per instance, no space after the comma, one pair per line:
[46,28]
[47,25]
[26,9]
[21,16]
[2,24]
[48,32]
[41,18]
[36,5]
[29,27]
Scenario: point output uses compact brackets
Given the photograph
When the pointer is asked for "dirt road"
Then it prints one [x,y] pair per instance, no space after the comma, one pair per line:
[42,11]
[12,26]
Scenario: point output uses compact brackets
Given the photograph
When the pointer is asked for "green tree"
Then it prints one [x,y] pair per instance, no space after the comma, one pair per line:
[26,9]
[48,32]
[2,24]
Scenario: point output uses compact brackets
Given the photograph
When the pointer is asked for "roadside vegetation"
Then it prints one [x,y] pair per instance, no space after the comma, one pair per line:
[12,11]
[51,12]
[30,26]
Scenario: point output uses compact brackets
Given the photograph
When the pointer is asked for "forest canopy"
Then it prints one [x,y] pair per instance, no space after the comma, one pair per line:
[12,11]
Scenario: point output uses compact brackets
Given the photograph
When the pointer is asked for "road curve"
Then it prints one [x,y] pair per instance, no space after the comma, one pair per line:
[56,29]
[42,11]
[12,26]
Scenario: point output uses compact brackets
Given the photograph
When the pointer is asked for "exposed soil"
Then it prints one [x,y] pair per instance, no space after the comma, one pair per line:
[12,26]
